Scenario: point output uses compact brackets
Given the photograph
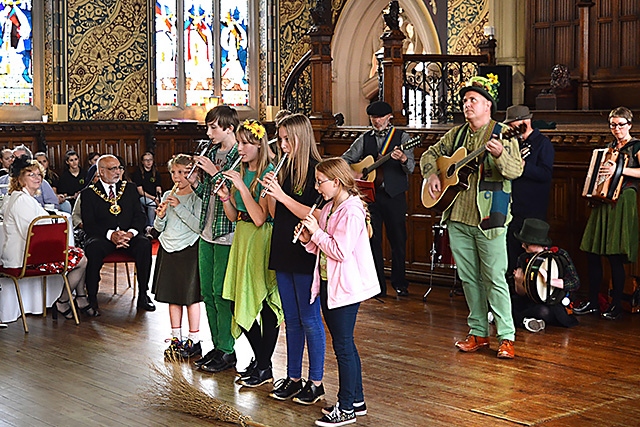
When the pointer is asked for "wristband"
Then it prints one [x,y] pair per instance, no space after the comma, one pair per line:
[223,200]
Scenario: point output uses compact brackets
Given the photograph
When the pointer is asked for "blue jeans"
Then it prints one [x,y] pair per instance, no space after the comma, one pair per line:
[303,323]
[149,208]
[341,322]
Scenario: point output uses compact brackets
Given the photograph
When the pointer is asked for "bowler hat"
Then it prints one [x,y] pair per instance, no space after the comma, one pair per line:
[534,231]
[482,91]
[517,112]
[379,109]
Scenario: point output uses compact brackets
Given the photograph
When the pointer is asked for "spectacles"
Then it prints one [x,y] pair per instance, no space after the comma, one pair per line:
[617,125]
[319,183]
[113,169]
[34,174]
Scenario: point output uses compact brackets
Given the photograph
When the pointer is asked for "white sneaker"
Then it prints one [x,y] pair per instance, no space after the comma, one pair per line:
[490,317]
[533,325]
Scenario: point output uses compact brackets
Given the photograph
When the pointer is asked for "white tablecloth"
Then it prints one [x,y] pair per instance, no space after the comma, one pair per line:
[31,290]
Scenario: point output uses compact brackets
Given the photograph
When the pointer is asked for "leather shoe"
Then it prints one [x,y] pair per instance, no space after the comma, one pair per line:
[613,313]
[259,377]
[144,303]
[402,292]
[213,354]
[226,361]
[472,343]
[586,308]
[506,350]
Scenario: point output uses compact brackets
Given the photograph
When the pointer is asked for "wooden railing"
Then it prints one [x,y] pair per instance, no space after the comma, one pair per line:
[296,95]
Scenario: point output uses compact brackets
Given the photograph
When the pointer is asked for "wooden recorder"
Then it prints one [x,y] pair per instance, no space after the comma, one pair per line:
[597,186]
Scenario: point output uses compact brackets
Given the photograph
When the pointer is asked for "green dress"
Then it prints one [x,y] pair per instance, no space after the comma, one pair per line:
[248,281]
[612,229]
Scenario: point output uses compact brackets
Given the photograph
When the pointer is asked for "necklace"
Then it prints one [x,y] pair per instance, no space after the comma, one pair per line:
[115,208]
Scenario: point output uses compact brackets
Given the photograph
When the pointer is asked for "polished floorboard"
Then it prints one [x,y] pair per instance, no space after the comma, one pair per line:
[93,374]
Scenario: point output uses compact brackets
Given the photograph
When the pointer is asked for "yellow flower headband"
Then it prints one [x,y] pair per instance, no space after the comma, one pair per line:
[255,128]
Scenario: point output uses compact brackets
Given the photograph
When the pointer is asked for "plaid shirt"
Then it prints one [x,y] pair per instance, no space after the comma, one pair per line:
[221,224]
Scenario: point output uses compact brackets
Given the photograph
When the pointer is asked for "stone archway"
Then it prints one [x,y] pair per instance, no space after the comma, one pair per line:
[355,39]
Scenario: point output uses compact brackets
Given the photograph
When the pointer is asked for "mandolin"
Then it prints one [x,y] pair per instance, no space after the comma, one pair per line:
[454,173]
[368,165]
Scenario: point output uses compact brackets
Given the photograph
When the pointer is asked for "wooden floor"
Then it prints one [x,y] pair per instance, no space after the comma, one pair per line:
[91,375]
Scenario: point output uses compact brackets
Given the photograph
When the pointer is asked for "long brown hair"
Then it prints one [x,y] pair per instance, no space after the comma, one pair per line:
[303,144]
[250,131]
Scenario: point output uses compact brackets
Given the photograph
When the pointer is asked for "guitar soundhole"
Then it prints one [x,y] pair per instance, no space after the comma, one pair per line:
[451,170]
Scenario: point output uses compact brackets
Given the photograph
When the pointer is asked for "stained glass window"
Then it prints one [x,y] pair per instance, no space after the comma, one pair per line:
[198,50]
[198,41]
[233,47]
[16,67]
[166,49]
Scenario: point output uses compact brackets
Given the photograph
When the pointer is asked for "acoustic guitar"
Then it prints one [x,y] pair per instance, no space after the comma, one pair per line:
[368,165]
[454,173]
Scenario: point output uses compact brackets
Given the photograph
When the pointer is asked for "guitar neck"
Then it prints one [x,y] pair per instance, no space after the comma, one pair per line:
[471,156]
[387,156]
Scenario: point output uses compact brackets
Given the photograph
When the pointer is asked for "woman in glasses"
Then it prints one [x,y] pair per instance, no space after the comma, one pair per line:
[21,208]
[612,229]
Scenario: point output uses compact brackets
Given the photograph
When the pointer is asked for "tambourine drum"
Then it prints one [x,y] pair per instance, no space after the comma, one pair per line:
[442,256]
[543,267]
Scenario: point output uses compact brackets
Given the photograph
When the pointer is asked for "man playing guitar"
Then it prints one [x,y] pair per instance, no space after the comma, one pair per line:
[478,217]
[390,204]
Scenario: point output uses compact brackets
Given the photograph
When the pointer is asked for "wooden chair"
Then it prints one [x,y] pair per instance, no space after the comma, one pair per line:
[47,242]
[121,257]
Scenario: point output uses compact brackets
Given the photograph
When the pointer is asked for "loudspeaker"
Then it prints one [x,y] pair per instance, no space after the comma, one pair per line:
[505,90]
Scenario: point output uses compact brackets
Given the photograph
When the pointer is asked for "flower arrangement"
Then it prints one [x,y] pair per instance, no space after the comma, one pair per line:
[254,127]
[490,84]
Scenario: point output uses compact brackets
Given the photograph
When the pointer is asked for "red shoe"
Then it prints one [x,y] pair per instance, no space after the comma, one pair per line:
[506,350]
[472,343]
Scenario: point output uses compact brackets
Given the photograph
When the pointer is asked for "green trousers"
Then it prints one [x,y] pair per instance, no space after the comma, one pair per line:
[213,266]
[482,264]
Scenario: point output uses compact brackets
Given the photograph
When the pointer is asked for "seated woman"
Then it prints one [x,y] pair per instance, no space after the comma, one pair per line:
[20,209]
[532,315]
[147,179]
[72,180]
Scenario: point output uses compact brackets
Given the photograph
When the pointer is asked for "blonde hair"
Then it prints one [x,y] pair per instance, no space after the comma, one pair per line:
[246,134]
[14,182]
[303,145]
[338,168]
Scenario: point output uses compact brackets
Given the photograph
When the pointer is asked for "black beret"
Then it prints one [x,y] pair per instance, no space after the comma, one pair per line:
[379,109]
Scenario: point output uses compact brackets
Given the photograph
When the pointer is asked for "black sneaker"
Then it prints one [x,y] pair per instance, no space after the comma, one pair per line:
[189,349]
[253,365]
[213,354]
[286,388]
[337,417]
[359,408]
[310,394]
[226,361]
[259,377]
[173,352]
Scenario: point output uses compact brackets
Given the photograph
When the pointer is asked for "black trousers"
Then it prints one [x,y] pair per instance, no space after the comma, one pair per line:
[96,249]
[392,212]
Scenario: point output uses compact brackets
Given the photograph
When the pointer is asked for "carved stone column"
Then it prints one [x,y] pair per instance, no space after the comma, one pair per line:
[584,95]
[320,35]
[393,64]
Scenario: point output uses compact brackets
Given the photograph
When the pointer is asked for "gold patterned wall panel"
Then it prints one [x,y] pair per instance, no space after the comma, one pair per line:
[466,20]
[294,23]
[107,57]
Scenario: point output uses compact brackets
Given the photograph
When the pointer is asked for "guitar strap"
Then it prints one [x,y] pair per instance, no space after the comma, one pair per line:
[387,141]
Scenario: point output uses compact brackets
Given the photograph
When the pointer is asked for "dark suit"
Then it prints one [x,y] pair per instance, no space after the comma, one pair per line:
[97,220]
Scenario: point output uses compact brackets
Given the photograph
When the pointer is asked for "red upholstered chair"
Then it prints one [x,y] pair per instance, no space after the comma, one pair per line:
[47,242]
[121,257]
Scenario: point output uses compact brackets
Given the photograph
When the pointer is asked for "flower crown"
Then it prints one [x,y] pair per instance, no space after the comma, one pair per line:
[254,127]
[489,84]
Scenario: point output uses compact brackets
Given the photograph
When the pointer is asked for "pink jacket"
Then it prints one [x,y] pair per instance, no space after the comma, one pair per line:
[351,273]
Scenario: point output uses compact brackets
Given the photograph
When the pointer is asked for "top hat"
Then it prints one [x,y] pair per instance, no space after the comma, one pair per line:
[517,112]
[485,86]
[379,109]
[534,232]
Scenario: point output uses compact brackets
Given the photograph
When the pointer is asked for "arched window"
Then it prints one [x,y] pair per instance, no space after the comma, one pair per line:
[202,55]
